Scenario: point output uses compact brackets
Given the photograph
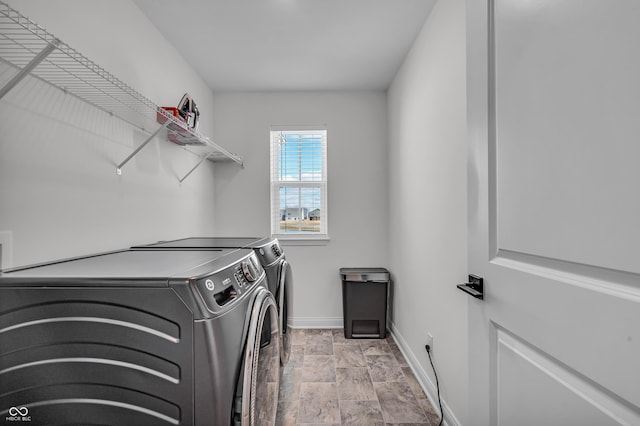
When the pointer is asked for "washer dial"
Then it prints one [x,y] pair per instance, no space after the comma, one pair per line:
[249,270]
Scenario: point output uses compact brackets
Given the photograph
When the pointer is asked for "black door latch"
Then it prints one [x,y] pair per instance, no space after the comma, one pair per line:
[475,287]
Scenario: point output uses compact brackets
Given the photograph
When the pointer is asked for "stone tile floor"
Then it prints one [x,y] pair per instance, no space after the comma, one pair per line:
[330,380]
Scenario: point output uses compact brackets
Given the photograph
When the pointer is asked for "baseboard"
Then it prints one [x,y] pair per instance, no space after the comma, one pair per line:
[427,385]
[316,322]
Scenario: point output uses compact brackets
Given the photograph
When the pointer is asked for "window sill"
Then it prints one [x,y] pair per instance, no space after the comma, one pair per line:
[302,240]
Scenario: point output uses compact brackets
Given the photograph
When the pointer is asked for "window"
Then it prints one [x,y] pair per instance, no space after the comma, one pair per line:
[299,183]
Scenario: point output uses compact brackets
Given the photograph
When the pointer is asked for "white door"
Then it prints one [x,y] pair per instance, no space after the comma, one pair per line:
[554,211]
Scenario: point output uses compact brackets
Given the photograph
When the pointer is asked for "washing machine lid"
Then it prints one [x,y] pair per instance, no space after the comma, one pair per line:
[125,268]
[195,243]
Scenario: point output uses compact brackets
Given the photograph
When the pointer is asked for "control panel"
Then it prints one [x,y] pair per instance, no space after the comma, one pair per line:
[221,289]
[270,253]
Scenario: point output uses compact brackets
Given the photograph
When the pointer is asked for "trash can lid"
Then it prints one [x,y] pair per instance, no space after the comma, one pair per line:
[364,274]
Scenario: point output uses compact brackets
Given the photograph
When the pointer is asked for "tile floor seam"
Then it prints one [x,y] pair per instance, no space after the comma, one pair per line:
[335,374]
[372,385]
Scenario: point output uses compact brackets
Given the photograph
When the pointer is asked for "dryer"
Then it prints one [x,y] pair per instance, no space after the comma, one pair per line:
[272,259]
[140,337]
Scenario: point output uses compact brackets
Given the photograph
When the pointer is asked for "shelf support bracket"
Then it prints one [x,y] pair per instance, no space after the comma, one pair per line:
[29,67]
[195,167]
[142,145]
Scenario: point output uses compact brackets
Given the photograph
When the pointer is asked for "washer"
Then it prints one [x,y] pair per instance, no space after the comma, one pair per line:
[273,260]
[140,337]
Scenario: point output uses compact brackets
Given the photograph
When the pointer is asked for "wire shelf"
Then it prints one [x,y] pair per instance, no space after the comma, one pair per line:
[30,49]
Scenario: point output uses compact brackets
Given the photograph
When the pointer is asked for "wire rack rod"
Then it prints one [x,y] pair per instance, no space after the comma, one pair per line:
[30,49]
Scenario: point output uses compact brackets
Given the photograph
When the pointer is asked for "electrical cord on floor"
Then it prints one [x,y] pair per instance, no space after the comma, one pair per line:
[428,348]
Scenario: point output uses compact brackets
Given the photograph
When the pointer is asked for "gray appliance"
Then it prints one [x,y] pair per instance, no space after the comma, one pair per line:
[272,259]
[140,338]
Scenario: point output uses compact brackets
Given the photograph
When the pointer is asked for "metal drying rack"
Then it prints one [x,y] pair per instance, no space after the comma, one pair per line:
[31,50]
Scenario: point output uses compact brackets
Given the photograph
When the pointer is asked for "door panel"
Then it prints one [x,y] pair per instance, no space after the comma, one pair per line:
[553,207]
[569,397]
[566,113]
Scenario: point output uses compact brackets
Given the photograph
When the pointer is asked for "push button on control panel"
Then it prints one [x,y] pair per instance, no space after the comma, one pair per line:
[238,278]
[209,285]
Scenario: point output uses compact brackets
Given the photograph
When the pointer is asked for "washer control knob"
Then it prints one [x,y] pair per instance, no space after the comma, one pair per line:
[249,271]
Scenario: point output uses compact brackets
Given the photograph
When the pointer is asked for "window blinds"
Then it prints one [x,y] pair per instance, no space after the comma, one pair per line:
[299,182]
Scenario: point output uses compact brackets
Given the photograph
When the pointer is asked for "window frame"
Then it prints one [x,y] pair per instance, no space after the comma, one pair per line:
[276,183]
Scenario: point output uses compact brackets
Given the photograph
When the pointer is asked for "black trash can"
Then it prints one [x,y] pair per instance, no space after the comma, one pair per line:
[364,302]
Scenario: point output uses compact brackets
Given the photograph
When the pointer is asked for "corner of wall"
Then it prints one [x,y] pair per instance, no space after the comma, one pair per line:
[428,190]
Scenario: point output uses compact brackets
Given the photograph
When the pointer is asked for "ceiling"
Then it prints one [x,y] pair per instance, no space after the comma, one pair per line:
[263,45]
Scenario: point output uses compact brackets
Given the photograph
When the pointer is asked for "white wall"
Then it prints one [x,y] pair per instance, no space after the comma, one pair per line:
[60,196]
[427,187]
[59,193]
[357,185]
